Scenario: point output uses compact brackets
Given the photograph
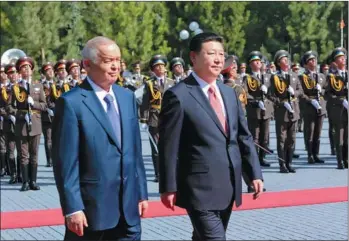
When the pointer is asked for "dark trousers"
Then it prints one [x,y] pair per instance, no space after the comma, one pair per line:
[15,166]
[341,136]
[286,136]
[209,224]
[29,148]
[313,125]
[260,133]
[154,132]
[122,231]
[47,131]
[3,151]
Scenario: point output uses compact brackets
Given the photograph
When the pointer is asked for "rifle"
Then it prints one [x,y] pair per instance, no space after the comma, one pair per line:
[29,125]
[318,94]
[289,97]
[263,95]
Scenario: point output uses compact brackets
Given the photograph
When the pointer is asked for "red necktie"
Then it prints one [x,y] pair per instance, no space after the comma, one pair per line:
[217,107]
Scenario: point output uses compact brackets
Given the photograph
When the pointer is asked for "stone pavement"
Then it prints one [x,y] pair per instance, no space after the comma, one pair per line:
[325,221]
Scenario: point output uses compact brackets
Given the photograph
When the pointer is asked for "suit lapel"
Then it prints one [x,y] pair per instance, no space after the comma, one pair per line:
[94,105]
[199,96]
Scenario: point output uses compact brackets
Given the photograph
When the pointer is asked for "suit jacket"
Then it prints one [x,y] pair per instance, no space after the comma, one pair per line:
[196,159]
[150,108]
[89,163]
[36,91]
[278,94]
[308,83]
[254,94]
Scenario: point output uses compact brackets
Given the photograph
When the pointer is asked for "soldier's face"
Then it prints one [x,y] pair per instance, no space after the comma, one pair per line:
[178,69]
[243,70]
[311,64]
[209,61]
[75,72]
[283,62]
[340,62]
[256,65]
[159,70]
[62,73]
[123,66]
[49,74]
[26,71]
[137,69]
[107,67]
[12,76]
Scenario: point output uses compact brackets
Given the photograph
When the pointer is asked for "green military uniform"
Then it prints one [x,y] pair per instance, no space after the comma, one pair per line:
[258,119]
[13,163]
[28,126]
[313,85]
[285,120]
[151,104]
[331,134]
[337,97]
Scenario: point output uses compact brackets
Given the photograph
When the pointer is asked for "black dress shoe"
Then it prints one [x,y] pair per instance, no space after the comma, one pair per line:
[269,150]
[19,179]
[2,172]
[34,186]
[156,179]
[283,169]
[291,169]
[295,156]
[311,160]
[340,166]
[346,164]
[13,179]
[333,153]
[318,160]
[264,163]
[25,187]
[48,165]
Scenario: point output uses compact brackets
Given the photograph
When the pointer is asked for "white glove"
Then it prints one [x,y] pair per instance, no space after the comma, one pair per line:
[261,105]
[318,87]
[316,104]
[288,107]
[144,126]
[13,119]
[264,89]
[290,90]
[30,100]
[1,118]
[345,104]
[26,117]
[50,112]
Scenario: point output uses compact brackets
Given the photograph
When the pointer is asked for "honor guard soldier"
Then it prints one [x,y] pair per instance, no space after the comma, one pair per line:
[137,78]
[3,119]
[47,116]
[295,69]
[73,68]
[177,68]
[337,98]
[324,69]
[13,163]
[314,105]
[28,98]
[259,108]
[284,91]
[242,70]
[272,68]
[62,82]
[151,103]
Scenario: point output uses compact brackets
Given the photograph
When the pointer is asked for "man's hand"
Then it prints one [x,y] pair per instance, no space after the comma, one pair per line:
[144,126]
[258,188]
[143,207]
[30,100]
[169,199]
[76,223]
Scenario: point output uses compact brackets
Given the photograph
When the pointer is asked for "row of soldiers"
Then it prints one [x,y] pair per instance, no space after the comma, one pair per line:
[26,111]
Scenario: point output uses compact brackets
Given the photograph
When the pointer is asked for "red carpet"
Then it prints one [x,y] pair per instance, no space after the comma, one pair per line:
[49,217]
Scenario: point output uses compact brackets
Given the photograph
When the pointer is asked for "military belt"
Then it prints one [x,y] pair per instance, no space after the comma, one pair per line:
[315,97]
[33,111]
[158,107]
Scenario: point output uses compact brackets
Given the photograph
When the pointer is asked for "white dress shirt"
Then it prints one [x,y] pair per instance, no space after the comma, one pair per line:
[205,86]
[101,93]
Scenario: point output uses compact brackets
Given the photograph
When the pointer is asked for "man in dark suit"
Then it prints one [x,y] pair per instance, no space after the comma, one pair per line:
[203,138]
[97,163]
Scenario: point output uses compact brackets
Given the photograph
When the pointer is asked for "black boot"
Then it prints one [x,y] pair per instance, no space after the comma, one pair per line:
[345,156]
[330,135]
[2,164]
[282,164]
[48,156]
[33,175]
[289,161]
[13,179]
[156,167]
[310,152]
[339,155]
[19,173]
[261,158]
[25,176]
[300,125]
[269,150]
[316,149]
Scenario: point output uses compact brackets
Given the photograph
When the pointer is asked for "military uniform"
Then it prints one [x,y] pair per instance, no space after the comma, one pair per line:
[258,119]
[337,94]
[13,163]
[331,131]
[3,120]
[73,63]
[51,94]
[151,104]
[314,107]
[177,61]
[28,126]
[282,98]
